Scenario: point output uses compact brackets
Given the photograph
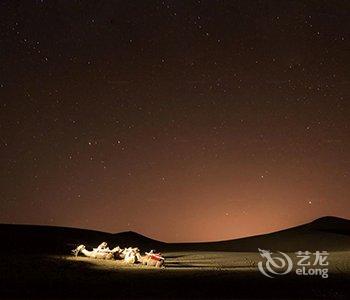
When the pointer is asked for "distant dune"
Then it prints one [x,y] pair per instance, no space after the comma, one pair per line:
[327,233]
[60,240]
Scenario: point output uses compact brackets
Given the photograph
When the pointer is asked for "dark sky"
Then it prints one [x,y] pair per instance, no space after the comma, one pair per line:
[181,120]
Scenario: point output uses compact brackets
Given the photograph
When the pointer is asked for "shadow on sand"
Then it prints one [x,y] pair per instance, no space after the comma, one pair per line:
[25,276]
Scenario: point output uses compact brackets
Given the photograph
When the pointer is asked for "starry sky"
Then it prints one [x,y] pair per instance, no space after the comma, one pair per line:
[181,120]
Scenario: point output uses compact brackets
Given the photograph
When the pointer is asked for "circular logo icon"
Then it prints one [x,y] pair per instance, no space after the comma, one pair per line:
[274,263]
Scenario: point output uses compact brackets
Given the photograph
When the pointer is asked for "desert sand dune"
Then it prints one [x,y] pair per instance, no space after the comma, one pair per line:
[39,265]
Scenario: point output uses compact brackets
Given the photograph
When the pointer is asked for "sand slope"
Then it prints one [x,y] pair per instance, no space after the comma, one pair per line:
[328,233]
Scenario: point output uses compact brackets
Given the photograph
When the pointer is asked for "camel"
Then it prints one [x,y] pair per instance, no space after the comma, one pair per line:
[117,251]
[130,255]
[93,254]
[102,248]
[101,252]
[128,251]
[151,259]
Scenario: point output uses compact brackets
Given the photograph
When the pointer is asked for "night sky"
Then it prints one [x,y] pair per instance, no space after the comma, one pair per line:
[181,120]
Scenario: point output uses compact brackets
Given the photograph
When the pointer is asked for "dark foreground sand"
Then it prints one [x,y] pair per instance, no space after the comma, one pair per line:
[187,275]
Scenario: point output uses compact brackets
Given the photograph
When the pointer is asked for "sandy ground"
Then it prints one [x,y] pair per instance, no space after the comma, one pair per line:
[184,260]
[192,275]
[339,262]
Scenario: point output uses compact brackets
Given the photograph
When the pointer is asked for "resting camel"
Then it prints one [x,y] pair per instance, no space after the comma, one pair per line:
[105,249]
[92,254]
[101,252]
[151,259]
[102,248]
[130,255]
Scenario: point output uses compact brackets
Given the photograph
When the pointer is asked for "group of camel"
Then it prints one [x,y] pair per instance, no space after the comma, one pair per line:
[128,255]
